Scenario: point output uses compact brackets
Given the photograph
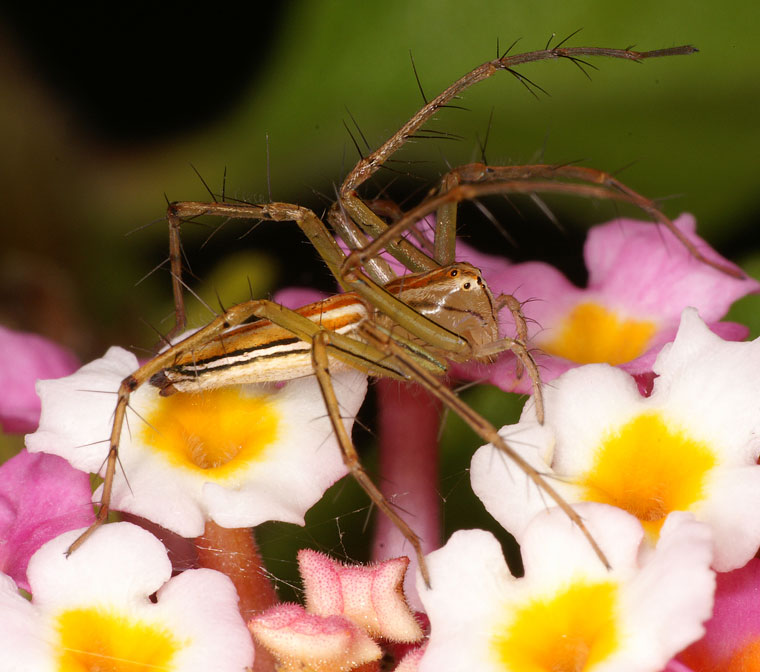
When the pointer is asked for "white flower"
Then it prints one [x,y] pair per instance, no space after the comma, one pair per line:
[568,612]
[93,610]
[239,455]
[692,445]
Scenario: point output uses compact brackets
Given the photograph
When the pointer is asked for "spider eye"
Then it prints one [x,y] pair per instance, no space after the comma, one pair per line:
[454,273]
[466,285]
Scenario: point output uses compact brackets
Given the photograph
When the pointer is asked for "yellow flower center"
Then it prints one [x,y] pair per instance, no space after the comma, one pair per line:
[568,632]
[92,640]
[649,469]
[215,431]
[591,333]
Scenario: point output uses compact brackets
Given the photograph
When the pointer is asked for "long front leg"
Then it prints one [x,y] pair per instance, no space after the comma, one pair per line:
[369,165]
[180,212]
[446,224]
[478,173]
[321,344]
[479,425]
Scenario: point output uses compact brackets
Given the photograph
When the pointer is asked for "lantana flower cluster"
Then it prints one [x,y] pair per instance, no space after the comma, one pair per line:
[652,413]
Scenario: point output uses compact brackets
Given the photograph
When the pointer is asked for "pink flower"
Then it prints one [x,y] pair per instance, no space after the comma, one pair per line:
[301,640]
[370,596]
[732,640]
[41,496]
[348,607]
[640,280]
[24,359]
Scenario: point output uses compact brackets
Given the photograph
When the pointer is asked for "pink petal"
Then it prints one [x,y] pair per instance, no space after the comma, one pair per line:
[301,640]
[636,268]
[371,596]
[734,629]
[545,293]
[24,359]
[729,331]
[649,270]
[41,496]
[295,297]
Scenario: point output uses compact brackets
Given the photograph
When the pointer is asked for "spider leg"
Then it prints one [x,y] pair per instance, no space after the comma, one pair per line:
[478,423]
[355,353]
[321,344]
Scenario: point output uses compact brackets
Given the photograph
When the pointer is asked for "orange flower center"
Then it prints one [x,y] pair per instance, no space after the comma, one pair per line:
[93,640]
[591,333]
[649,469]
[217,431]
[570,631]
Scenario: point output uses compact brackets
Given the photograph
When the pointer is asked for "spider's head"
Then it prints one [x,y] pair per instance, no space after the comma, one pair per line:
[469,307]
[456,297]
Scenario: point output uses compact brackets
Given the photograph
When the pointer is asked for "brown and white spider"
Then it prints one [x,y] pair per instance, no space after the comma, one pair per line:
[410,327]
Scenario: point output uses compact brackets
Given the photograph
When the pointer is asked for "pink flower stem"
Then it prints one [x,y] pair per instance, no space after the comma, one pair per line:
[409,423]
[234,552]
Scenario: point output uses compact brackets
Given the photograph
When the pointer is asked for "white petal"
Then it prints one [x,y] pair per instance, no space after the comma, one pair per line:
[294,473]
[24,640]
[77,411]
[667,602]
[468,575]
[202,605]
[97,569]
[712,387]
[731,510]
[553,546]
[582,406]
[508,494]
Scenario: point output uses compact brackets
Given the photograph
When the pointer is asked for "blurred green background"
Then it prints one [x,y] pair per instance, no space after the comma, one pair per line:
[101,120]
[102,117]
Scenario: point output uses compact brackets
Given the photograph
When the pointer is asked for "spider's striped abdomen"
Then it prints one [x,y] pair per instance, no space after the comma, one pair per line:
[261,351]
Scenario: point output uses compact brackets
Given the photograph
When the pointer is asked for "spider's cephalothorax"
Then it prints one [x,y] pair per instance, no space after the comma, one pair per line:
[457,298]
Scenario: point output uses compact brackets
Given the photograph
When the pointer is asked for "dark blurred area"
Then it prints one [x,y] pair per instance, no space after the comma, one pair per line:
[122,81]
[128,73]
